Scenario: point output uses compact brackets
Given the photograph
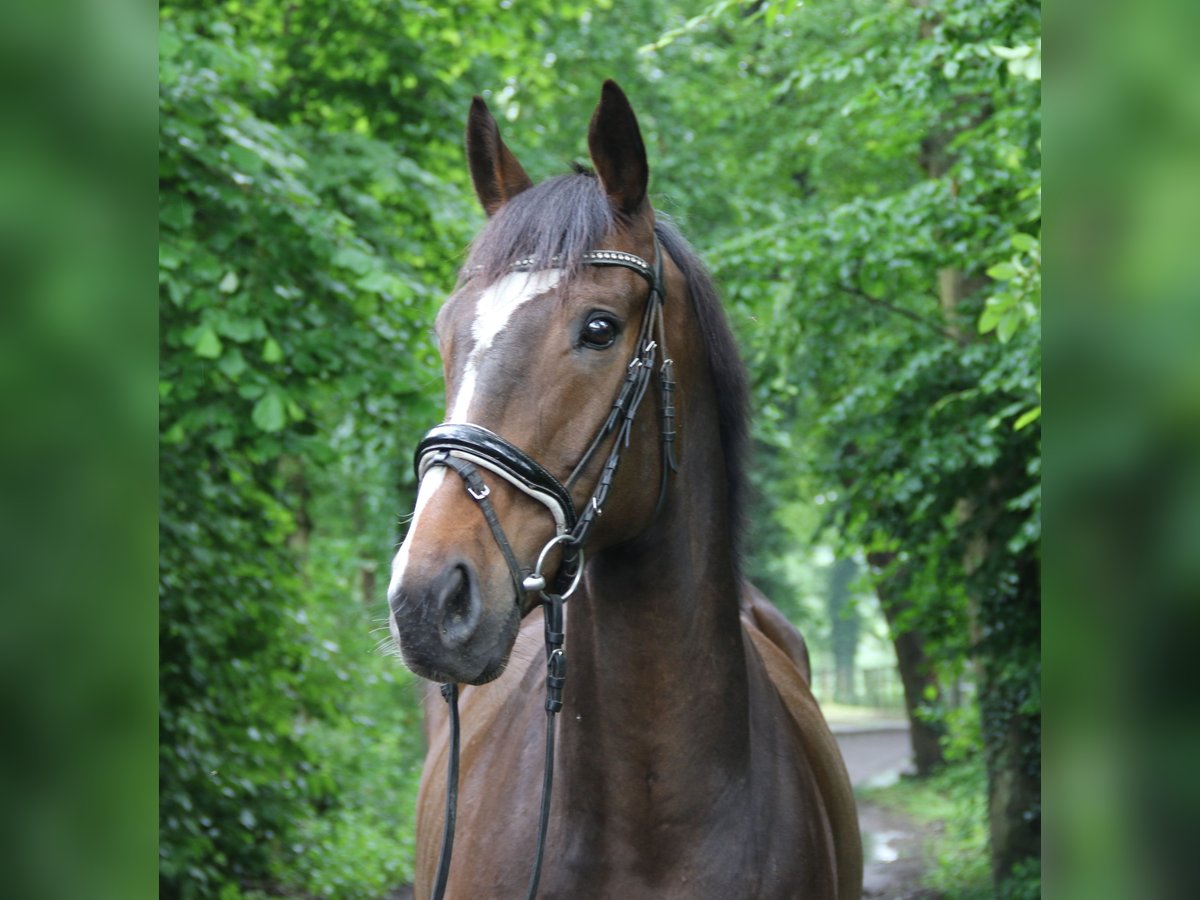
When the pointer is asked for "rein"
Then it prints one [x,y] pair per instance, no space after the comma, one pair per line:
[464,448]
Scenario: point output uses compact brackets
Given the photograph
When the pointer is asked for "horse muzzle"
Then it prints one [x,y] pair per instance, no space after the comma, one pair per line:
[445,630]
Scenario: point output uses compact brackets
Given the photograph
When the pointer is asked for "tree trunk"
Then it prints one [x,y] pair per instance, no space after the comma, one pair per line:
[844,627]
[1012,735]
[916,674]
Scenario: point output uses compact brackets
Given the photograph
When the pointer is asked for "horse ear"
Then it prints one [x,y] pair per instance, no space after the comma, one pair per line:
[497,175]
[615,144]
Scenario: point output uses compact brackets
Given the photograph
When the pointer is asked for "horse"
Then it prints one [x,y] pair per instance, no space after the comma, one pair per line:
[692,760]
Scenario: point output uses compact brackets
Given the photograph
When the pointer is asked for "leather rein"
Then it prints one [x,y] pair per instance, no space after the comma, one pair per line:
[465,448]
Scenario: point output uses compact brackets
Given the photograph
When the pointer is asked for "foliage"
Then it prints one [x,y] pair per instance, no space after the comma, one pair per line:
[284,330]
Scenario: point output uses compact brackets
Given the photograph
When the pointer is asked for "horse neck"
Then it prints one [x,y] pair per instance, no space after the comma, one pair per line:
[656,657]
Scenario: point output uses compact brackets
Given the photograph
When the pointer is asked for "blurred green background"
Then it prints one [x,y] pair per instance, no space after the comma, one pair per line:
[863,178]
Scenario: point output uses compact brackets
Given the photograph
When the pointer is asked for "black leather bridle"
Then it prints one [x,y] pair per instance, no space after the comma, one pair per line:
[465,448]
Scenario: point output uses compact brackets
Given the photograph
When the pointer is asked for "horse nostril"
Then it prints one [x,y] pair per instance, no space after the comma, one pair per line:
[459,603]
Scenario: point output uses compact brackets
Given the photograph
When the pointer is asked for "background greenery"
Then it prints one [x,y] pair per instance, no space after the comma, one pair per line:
[864,180]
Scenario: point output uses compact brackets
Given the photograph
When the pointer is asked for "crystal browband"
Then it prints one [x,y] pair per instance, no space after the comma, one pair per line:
[595,258]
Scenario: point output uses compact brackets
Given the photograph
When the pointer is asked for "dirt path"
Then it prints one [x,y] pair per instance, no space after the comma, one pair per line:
[892,842]
[892,852]
[876,753]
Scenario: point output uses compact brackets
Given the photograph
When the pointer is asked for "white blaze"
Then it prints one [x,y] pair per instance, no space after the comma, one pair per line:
[429,485]
[493,311]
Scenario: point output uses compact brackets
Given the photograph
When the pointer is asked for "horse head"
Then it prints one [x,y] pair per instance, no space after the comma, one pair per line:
[538,341]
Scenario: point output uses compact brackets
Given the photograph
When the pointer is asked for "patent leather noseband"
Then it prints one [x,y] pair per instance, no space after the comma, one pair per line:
[476,444]
[464,448]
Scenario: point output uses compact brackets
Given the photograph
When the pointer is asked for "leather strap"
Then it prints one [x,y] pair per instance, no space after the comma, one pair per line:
[481,494]
[450,695]
[486,448]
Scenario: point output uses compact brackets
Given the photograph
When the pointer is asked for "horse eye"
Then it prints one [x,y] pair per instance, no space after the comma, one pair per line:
[599,332]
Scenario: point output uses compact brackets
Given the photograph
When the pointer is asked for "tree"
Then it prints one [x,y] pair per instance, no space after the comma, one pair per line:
[844,622]
[886,285]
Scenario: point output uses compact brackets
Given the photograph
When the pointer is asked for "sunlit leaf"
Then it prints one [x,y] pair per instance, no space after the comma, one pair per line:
[1027,418]
[1026,243]
[268,413]
[208,345]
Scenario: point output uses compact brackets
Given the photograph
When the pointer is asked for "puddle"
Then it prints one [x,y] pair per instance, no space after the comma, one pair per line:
[886,778]
[878,847]
[891,854]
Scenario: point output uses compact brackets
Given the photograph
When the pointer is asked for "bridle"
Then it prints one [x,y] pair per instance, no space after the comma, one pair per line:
[465,448]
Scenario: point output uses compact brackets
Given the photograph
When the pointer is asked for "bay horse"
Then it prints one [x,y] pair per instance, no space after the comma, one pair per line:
[692,759]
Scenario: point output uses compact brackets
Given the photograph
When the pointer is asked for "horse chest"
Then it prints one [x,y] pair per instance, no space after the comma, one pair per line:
[614,840]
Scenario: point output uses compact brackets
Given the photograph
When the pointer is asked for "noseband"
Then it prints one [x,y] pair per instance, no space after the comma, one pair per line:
[465,448]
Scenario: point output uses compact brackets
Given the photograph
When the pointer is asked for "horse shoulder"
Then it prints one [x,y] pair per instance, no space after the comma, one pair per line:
[760,614]
[784,656]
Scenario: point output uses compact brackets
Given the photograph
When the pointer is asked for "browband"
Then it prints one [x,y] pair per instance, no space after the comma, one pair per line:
[604,258]
[477,444]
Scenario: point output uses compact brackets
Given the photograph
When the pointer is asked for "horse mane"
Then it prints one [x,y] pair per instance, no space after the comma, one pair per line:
[555,223]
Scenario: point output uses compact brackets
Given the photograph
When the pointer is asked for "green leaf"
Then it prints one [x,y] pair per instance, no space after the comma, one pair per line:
[1026,243]
[229,283]
[1027,418]
[176,213]
[376,281]
[169,44]
[1027,68]
[239,329]
[994,310]
[250,391]
[988,319]
[354,259]
[1007,327]
[208,345]
[272,352]
[1004,271]
[244,159]
[1011,52]
[269,413]
[232,363]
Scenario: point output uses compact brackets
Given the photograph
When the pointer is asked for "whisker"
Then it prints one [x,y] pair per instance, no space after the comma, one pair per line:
[387,647]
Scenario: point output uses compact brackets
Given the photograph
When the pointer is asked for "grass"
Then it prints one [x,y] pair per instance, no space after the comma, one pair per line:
[951,809]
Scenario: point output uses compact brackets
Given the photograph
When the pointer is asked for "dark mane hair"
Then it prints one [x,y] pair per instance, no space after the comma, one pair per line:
[568,215]
[562,217]
[729,375]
